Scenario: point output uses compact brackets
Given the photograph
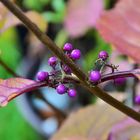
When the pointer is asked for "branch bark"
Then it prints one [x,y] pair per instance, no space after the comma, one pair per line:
[75,69]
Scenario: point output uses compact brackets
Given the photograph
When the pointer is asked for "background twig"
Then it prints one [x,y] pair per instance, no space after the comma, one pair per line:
[2,63]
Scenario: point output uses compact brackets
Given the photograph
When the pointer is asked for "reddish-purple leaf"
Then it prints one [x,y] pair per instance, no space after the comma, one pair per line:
[120,26]
[82,15]
[13,87]
[98,122]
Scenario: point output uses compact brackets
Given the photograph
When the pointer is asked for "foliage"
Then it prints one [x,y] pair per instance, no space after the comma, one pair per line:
[81,16]
[120,27]
[96,122]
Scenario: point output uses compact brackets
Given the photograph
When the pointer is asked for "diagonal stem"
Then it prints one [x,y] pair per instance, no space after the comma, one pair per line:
[75,69]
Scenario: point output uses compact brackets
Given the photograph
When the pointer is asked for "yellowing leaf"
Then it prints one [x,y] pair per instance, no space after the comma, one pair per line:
[98,122]
[37,19]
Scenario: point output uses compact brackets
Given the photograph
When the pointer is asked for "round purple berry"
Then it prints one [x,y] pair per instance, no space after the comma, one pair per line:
[137,99]
[72,92]
[68,47]
[95,76]
[52,61]
[119,81]
[42,76]
[61,89]
[75,54]
[103,55]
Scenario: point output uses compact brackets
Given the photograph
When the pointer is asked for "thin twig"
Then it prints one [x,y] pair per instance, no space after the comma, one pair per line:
[2,63]
[56,110]
[75,69]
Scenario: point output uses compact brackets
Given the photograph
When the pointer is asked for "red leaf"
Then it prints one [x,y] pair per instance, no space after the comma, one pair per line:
[14,87]
[120,26]
[82,15]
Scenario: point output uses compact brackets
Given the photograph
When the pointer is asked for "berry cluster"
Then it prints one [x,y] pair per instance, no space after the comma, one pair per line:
[95,75]
[59,69]
[55,78]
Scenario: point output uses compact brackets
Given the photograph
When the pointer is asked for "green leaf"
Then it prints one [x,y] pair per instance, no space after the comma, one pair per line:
[37,5]
[13,126]
[58,5]
[53,17]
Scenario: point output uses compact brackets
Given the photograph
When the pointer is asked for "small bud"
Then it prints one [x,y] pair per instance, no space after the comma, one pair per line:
[66,69]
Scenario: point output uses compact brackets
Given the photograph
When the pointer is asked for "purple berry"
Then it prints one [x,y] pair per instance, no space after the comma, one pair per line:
[66,69]
[75,54]
[42,76]
[68,47]
[61,89]
[119,81]
[103,55]
[72,92]
[95,76]
[52,61]
[137,99]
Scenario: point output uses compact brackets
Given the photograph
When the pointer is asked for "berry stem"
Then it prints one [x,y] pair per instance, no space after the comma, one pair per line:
[113,67]
[120,74]
[75,69]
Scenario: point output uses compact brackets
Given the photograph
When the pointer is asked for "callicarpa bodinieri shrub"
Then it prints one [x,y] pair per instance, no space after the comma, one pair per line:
[65,72]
